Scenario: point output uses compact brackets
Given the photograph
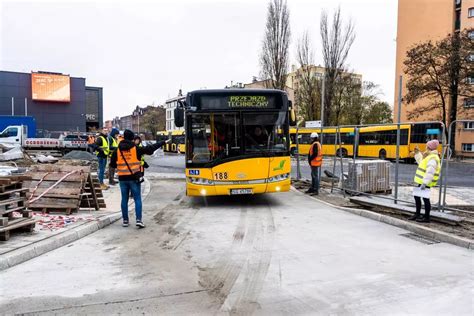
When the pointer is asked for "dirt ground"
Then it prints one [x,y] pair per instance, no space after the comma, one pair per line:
[464,229]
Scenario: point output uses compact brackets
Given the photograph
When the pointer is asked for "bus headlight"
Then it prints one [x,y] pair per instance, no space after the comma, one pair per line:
[200,181]
[279,177]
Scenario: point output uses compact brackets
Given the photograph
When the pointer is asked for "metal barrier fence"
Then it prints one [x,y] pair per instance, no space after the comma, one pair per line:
[444,160]
[445,168]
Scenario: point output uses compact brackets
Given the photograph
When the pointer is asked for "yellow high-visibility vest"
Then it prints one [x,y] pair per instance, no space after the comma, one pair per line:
[421,171]
[104,146]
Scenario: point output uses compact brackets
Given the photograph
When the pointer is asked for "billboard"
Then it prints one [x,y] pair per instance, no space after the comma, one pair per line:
[50,87]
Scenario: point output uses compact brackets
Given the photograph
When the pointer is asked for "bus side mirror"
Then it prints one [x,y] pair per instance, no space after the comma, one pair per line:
[179,114]
[292,114]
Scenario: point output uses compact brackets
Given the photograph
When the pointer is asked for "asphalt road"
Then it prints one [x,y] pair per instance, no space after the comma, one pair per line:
[271,254]
[460,173]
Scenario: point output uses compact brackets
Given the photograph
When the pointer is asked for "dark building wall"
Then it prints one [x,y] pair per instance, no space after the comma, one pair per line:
[50,116]
[94,107]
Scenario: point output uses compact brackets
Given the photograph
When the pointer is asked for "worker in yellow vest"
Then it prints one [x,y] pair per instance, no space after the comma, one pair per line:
[426,177]
[127,160]
[315,160]
[113,144]
[102,152]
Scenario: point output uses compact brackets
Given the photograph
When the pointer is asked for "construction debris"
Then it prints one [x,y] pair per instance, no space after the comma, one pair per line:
[13,212]
[80,155]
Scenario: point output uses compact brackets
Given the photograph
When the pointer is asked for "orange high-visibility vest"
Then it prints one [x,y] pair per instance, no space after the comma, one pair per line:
[318,160]
[131,159]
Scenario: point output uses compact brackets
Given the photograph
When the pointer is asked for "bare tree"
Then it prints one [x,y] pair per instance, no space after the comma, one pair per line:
[274,56]
[307,92]
[337,38]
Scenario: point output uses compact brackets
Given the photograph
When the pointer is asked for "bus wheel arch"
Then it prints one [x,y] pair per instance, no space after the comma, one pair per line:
[341,152]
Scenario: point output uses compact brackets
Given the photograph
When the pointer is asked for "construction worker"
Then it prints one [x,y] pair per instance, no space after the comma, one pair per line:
[426,176]
[102,151]
[138,142]
[315,160]
[113,144]
[90,143]
[127,160]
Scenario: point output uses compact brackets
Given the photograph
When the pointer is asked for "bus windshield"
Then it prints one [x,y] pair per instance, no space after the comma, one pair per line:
[216,136]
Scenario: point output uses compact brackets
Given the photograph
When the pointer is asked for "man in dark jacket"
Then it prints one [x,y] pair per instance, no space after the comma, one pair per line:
[126,159]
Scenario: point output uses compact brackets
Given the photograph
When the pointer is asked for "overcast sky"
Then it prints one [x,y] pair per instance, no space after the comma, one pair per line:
[142,52]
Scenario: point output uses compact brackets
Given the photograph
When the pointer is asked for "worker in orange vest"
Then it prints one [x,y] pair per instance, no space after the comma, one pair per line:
[315,160]
[127,160]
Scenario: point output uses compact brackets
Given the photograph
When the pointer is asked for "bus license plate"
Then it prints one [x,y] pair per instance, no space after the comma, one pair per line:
[241,191]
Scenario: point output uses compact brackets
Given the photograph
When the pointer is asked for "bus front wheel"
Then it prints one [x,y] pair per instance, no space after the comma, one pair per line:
[383,154]
[293,151]
[341,152]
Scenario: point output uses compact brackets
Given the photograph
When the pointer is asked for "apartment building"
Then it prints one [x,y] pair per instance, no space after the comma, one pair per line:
[422,20]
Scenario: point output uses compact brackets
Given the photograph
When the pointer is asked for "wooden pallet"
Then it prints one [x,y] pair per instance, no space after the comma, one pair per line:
[18,224]
[65,197]
[13,199]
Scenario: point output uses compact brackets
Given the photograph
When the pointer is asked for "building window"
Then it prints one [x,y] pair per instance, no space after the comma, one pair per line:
[469,103]
[468,147]
[471,35]
[470,79]
[468,125]
[470,12]
[470,58]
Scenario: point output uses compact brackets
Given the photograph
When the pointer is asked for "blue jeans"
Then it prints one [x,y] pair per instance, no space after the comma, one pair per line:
[131,186]
[315,178]
[101,172]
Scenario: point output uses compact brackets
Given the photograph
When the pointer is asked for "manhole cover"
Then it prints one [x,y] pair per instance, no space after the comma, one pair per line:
[422,239]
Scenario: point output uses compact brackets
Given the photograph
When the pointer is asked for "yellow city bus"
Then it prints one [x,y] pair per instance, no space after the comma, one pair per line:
[373,141]
[163,136]
[178,142]
[381,141]
[237,141]
[328,137]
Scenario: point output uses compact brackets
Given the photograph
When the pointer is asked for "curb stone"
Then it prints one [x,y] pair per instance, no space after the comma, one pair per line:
[414,228]
[41,247]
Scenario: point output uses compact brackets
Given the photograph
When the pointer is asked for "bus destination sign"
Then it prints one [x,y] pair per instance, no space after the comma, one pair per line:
[248,101]
[238,102]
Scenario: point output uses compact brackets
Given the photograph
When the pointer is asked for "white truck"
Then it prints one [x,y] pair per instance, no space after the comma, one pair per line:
[16,135]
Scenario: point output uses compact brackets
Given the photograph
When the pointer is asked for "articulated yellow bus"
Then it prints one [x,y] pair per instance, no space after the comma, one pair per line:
[237,141]
[329,136]
[373,141]
[381,141]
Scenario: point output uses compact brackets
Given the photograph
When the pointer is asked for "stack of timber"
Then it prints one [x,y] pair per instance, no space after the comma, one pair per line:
[61,188]
[13,201]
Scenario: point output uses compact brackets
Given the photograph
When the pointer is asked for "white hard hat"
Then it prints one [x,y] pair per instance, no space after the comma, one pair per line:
[314,135]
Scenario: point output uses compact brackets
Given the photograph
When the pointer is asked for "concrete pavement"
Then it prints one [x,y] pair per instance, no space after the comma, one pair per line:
[272,254]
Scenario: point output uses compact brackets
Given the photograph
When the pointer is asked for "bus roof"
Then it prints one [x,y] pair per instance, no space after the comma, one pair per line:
[305,130]
[235,91]
[382,128]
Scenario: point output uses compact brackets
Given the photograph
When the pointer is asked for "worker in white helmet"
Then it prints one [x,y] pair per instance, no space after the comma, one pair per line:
[315,160]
